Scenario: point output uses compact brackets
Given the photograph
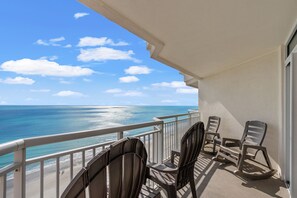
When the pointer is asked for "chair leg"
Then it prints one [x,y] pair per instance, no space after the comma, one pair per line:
[241,161]
[203,144]
[193,188]
[216,157]
[171,192]
[266,158]
[214,147]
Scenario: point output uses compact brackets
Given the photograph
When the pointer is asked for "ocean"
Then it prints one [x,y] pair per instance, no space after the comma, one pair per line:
[17,122]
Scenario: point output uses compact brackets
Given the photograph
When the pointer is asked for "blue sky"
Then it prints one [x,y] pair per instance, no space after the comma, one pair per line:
[63,53]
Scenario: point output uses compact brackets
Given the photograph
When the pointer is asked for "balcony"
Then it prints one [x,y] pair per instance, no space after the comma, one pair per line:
[48,175]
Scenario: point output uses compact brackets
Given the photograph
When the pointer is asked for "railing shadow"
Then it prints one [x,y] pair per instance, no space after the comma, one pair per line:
[204,170]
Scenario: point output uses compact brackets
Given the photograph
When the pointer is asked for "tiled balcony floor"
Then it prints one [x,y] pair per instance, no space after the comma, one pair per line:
[214,179]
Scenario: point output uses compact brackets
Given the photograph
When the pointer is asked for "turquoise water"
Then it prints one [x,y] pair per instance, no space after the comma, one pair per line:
[17,122]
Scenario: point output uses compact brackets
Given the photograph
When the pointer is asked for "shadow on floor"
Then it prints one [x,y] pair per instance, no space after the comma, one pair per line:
[214,179]
[270,186]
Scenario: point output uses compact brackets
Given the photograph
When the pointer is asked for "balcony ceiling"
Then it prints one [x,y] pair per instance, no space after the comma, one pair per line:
[202,38]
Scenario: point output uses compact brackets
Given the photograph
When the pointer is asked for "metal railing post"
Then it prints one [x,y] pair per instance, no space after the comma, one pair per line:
[155,147]
[2,186]
[19,181]
[120,135]
[160,152]
[176,132]
[190,117]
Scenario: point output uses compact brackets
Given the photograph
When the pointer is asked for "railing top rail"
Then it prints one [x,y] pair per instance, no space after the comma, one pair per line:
[35,141]
[177,115]
[76,150]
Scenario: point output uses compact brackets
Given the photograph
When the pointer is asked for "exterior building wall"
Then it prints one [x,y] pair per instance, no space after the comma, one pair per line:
[252,91]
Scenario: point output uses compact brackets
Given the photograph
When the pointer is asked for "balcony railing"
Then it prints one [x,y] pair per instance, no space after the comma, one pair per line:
[48,175]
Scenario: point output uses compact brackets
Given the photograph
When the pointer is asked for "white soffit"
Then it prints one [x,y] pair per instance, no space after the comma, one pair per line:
[204,37]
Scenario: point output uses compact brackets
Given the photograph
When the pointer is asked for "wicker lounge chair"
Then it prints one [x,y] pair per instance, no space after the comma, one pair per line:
[173,177]
[237,151]
[211,132]
[119,171]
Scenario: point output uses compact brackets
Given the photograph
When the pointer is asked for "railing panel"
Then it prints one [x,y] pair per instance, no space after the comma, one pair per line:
[3,185]
[53,172]
[41,178]
[174,128]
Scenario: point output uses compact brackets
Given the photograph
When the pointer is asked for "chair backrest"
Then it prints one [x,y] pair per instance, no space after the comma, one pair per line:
[254,132]
[191,144]
[77,187]
[213,124]
[118,171]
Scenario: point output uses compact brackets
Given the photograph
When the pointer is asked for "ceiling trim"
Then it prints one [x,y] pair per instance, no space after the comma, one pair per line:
[155,45]
[244,62]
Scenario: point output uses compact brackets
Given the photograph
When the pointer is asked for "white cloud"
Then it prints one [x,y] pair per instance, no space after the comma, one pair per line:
[54,40]
[133,70]
[169,101]
[173,84]
[113,91]
[187,90]
[51,58]
[80,14]
[50,42]
[41,42]
[120,92]
[40,90]
[120,43]
[18,80]
[128,79]
[131,93]
[104,54]
[44,68]
[67,46]
[180,87]
[69,94]
[101,41]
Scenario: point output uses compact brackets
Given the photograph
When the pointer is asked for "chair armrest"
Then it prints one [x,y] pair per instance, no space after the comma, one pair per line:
[251,146]
[162,168]
[257,147]
[173,154]
[233,142]
[245,148]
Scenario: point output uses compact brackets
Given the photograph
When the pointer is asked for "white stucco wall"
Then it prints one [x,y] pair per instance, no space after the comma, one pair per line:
[251,91]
